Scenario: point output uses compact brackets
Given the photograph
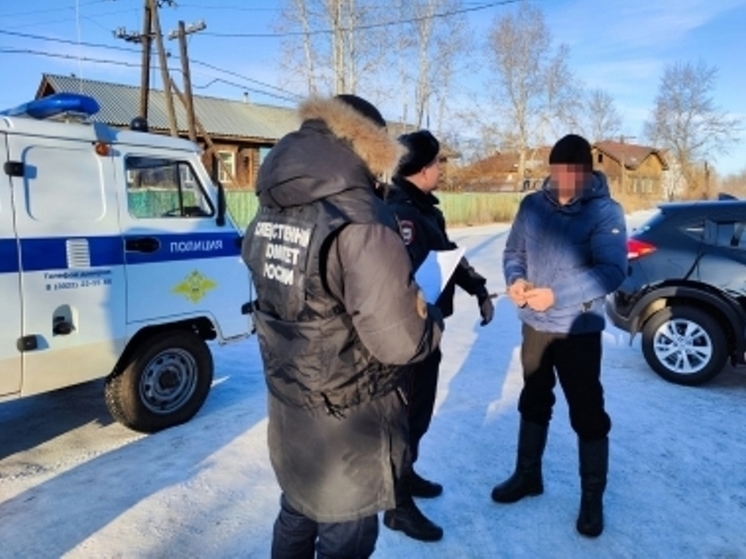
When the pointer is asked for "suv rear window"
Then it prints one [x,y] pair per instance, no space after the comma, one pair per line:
[728,234]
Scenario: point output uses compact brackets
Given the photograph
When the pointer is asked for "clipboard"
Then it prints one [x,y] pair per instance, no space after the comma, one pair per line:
[434,273]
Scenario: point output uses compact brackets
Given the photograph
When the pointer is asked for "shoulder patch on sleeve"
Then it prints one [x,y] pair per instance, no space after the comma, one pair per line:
[406,230]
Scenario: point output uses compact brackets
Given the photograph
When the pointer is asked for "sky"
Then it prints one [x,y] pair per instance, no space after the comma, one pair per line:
[76,485]
[619,46]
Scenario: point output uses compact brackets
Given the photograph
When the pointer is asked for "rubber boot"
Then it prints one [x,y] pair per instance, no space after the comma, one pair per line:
[594,465]
[526,480]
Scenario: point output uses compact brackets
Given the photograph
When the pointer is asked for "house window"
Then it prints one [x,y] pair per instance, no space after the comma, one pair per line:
[263,153]
[226,165]
[600,157]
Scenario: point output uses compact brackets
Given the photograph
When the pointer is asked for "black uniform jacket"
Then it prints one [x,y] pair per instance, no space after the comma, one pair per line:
[423,228]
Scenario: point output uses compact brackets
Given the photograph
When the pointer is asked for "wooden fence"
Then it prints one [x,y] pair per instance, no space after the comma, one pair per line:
[468,208]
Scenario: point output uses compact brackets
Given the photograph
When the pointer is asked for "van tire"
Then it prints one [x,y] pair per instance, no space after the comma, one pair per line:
[164,383]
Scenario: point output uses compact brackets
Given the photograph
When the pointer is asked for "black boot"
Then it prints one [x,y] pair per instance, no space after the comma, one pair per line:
[594,464]
[526,480]
[410,520]
[421,487]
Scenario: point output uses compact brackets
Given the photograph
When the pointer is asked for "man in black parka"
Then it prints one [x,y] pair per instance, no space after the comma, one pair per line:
[337,315]
[423,228]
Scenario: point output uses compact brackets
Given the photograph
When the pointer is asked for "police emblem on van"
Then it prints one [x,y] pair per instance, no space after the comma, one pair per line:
[194,287]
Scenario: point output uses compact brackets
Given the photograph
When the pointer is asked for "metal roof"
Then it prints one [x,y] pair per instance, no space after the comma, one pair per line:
[220,117]
[631,155]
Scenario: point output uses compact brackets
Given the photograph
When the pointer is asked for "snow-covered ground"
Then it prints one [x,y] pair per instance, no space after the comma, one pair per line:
[75,484]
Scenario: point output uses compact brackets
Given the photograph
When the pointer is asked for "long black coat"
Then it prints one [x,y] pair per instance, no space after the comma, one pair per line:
[341,468]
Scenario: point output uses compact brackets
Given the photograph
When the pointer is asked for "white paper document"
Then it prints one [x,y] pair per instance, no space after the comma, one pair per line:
[434,273]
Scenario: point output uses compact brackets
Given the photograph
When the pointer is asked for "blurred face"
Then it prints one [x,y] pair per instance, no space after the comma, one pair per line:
[568,179]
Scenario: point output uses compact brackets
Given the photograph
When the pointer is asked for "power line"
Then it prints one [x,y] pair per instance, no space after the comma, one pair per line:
[6,50]
[37,23]
[364,27]
[212,6]
[289,97]
[133,51]
[295,98]
[228,35]
[47,10]
[234,74]
[65,41]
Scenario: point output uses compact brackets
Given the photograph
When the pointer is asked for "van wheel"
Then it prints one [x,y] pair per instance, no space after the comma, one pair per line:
[684,345]
[164,383]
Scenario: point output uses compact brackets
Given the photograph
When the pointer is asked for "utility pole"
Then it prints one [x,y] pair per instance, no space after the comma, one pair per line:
[338,53]
[164,69]
[143,38]
[147,25]
[189,102]
[211,148]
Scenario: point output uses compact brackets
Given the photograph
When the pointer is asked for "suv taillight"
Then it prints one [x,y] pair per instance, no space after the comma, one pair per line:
[636,249]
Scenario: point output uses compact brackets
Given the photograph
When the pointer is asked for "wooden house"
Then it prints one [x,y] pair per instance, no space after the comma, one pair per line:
[631,168]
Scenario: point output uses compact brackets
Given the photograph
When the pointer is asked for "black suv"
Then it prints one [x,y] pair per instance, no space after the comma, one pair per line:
[686,289]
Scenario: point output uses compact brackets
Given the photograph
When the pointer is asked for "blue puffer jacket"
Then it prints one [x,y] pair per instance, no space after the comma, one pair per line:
[579,250]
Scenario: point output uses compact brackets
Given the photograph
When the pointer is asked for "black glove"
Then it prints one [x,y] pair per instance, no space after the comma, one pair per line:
[486,308]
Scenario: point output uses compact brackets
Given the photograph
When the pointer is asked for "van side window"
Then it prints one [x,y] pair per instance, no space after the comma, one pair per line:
[54,188]
[164,188]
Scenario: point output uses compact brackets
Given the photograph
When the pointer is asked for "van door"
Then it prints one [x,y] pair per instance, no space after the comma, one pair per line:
[71,261]
[179,263]
[10,289]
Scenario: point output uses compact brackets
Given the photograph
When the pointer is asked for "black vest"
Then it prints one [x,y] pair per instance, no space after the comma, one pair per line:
[312,355]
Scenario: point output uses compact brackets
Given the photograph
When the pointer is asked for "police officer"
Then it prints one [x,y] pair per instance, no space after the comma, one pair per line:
[337,315]
[422,227]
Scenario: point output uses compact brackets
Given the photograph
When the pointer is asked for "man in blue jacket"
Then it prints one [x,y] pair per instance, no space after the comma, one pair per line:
[565,252]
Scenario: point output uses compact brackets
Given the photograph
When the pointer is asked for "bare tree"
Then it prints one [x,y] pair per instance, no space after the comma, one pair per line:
[327,46]
[434,37]
[734,184]
[308,56]
[533,84]
[600,116]
[672,182]
[687,123]
[424,29]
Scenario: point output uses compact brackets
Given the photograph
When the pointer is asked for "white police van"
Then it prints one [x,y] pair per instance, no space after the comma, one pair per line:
[117,260]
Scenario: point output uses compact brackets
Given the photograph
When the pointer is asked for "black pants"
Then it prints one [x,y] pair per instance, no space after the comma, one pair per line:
[421,391]
[576,359]
[298,537]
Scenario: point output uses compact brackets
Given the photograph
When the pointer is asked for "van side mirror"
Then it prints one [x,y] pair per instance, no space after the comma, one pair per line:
[220,219]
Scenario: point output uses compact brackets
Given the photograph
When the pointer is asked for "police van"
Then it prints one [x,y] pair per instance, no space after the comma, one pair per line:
[117,260]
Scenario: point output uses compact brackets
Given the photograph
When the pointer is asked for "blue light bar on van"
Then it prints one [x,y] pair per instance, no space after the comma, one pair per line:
[53,105]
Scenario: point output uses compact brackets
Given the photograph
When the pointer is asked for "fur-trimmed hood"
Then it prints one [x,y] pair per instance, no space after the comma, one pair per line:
[372,144]
[335,150]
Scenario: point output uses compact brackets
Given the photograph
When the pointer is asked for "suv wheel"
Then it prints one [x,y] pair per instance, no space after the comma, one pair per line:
[684,345]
